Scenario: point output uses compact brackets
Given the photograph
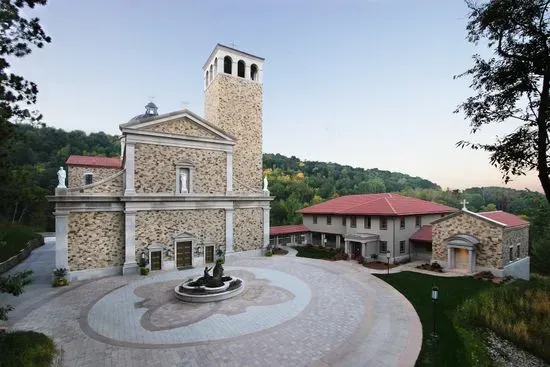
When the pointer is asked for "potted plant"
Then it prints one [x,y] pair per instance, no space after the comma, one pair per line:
[60,277]
[143,269]
[220,254]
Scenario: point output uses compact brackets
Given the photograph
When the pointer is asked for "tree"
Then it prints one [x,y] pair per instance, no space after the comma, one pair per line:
[513,84]
[13,284]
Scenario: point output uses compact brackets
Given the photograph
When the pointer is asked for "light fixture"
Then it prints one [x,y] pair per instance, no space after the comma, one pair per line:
[435,293]
[435,296]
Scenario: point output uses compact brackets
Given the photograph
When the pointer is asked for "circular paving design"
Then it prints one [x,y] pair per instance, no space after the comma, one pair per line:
[294,312]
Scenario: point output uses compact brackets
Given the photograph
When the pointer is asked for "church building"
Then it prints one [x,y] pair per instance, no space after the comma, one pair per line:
[183,186]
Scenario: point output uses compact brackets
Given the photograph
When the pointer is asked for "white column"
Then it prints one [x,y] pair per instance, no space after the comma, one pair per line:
[337,241]
[449,257]
[229,230]
[61,239]
[129,166]
[470,258]
[130,265]
[266,226]
[363,249]
[346,246]
[234,68]
[292,239]
[229,173]
[323,239]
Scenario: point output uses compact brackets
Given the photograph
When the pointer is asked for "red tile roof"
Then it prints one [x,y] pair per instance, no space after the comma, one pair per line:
[377,204]
[95,161]
[423,234]
[510,220]
[278,230]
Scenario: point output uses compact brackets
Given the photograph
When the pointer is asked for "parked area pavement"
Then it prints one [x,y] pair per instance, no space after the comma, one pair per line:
[293,312]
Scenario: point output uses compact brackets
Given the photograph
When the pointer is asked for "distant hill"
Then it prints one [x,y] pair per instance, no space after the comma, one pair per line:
[39,151]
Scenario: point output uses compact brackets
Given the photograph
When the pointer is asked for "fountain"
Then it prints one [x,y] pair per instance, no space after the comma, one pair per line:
[209,288]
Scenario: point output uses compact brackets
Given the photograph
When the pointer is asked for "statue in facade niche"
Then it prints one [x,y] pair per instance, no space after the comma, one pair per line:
[183,182]
[61,176]
[265,183]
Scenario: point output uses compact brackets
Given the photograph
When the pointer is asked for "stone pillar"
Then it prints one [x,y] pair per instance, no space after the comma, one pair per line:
[129,188]
[323,239]
[266,226]
[61,239]
[470,258]
[229,173]
[292,239]
[346,246]
[449,257]
[130,265]
[229,230]
[363,249]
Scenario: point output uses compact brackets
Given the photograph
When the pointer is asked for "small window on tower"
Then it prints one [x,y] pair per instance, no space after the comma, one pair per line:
[88,178]
[254,72]
[240,68]
[227,65]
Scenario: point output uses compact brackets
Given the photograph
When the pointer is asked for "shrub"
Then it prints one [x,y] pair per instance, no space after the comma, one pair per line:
[14,238]
[540,253]
[269,253]
[220,261]
[143,270]
[341,256]
[374,256]
[26,348]
[60,272]
[360,259]
[519,312]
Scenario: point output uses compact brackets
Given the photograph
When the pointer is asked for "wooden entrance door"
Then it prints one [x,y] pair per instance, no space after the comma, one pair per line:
[184,254]
[461,258]
[209,254]
[156,259]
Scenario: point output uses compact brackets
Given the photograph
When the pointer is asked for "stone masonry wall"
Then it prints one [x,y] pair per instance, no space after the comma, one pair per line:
[75,174]
[182,127]
[248,229]
[488,252]
[512,237]
[95,240]
[235,105]
[162,225]
[155,170]
[113,186]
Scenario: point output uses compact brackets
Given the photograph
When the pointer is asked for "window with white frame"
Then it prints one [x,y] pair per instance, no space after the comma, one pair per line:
[383,223]
[418,221]
[383,247]
[401,247]
[367,222]
[329,220]
[352,222]
[402,223]
[314,219]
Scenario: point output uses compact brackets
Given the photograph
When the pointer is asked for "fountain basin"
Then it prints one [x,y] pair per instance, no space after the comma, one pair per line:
[203,294]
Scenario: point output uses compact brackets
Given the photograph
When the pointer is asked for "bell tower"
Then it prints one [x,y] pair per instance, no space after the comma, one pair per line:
[233,99]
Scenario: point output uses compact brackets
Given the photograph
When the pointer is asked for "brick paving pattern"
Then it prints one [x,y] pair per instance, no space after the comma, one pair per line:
[318,313]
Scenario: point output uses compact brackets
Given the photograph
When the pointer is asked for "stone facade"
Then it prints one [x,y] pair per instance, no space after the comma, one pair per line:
[160,227]
[513,237]
[96,240]
[488,252]
[248,229]
[182,127]
[114,185]
[235,106]
[155,170]
[75,174]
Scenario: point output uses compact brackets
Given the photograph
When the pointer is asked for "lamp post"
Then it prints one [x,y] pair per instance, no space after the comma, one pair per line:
[388,254]
[435,296]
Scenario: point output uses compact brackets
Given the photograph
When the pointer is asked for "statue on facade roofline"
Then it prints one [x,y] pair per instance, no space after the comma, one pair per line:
[61,176]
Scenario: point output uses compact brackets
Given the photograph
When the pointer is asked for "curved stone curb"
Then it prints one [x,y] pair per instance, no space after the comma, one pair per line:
[291,252]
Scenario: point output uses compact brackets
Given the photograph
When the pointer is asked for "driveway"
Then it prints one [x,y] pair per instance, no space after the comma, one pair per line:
[294,312]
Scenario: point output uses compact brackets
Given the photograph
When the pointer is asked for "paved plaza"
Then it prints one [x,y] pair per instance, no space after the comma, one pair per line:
[293,312]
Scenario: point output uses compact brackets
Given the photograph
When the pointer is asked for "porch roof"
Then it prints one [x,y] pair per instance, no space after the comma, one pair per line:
[361,237]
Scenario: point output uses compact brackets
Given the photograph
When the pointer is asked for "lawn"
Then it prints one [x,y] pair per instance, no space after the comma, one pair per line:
[13,238]
[26,349]
[453,346]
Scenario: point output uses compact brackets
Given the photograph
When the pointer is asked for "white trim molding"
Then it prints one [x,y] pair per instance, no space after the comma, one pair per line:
[129,188]
[229,173]
[229,230]
[130,265]
[61,239]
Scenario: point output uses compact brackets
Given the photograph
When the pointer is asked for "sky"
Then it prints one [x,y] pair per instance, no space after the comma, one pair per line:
[363,83]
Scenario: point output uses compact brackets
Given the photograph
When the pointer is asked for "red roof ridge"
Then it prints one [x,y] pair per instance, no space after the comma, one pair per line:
[391,206]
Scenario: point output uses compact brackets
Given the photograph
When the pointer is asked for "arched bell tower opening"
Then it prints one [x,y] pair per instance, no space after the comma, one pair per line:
[233,102]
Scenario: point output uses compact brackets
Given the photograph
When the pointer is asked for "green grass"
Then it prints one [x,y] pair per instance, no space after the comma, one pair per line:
[315,252]
[519,312]
[26,349]
[455,345]
[13,238]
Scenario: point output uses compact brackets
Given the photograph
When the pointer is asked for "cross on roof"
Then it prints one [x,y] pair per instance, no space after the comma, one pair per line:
[184,104]
[233,44]
[464,202]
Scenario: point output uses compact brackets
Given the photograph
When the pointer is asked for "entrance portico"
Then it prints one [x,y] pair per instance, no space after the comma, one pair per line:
[363,240]
[461,252]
